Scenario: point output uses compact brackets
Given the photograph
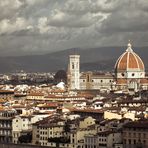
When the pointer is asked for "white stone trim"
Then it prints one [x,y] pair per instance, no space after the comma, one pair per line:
[119,60]
[140,60]
[127,66]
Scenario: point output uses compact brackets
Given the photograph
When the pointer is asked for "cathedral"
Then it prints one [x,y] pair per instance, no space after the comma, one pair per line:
[129,74]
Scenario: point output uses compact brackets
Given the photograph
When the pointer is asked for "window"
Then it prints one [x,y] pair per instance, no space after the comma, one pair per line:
[102,144]
[133,74]
[122,74]
[134,129]
[144,141]
[101,81]
[144,135]
[72,65]
[88,78]
[129,141]
[124,141]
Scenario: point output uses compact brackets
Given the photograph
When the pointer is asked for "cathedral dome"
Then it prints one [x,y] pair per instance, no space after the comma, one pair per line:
[129,61]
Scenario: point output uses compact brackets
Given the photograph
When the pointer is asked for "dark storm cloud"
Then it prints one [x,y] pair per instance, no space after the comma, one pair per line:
[39,26]
[126,19]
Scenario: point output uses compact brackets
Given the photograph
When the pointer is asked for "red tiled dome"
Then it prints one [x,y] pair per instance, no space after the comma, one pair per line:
[129,60]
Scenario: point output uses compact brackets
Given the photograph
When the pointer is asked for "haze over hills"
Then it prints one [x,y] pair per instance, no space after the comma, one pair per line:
[102,58]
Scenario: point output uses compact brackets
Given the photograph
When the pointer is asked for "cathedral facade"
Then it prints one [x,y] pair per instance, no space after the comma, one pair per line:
[129,74]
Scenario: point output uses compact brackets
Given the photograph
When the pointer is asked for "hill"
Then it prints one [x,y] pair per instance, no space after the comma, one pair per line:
[101,58]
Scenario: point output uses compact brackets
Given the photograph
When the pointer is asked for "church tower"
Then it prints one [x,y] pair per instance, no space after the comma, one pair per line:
[74,72]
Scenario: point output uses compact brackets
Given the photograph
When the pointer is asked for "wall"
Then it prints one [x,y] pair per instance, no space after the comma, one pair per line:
[109,115]
[20,146]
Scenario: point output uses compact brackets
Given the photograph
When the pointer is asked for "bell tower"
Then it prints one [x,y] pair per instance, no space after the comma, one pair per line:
[74,72]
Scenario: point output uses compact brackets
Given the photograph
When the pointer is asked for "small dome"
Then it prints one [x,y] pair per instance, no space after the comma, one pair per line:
[128,61]
[61,85]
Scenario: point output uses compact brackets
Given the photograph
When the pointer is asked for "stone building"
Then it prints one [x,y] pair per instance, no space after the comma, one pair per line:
[55,132]
[130,71]
[104,139]
[22,125]
[7,94]
[129,74]
[135,134]
[74,72]
[6,118]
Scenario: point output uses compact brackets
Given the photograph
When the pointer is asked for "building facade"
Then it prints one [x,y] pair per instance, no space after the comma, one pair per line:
[22,125]
[135,134]
[130,71]
[129,74]
[6,118]
[74,72]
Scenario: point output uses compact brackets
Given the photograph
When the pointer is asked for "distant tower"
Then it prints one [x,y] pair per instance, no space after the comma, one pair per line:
[74,72]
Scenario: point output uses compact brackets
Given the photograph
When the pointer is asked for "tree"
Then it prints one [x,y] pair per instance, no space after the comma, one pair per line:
[60,75]
[25,138]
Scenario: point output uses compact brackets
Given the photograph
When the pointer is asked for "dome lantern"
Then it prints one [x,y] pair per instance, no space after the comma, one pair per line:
[129,47]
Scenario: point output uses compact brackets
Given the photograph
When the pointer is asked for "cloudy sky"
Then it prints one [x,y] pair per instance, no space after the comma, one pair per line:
[42,26]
